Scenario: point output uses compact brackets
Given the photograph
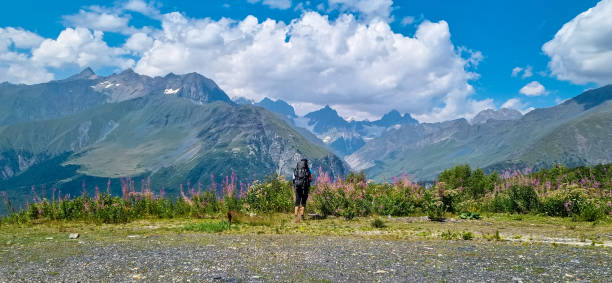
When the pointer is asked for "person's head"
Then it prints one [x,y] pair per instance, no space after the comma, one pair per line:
[304,161]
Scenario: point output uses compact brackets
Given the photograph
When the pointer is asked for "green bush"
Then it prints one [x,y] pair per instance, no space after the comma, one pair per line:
[523,198]
[271,196]
[396,201]
[434,207]
[378,223]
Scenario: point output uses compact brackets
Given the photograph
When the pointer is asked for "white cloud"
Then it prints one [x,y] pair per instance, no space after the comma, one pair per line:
[79,47]
[517,104]
[371,9]
[275,4]
[98,20]
[19,38]
[357,67]
[407,20]
[15,64]
[147,9]
[581,51]
[18,68]
[533,88]
[528,72]
[278,4]
[139,43]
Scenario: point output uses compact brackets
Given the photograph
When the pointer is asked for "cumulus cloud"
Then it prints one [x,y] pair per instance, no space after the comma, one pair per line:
[516,71]
[359,67]
[79,47]
[15,65]
[26,56]
[517,104]
[371,9]
[354,66]
[142,7]
[98,20]
[18,38]
[533,88]
[275,4]
[139,43]
[581,51]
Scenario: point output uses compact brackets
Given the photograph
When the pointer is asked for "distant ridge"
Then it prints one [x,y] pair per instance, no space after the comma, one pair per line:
[174,129]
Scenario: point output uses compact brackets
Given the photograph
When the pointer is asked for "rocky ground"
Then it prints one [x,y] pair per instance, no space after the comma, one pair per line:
[221,257]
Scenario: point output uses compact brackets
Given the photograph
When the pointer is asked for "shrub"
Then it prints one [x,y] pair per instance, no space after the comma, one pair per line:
[449,235]
[434,207]
[500,202]
[273,195]
[467,235]
[378,223]
[394,200]
[523,198]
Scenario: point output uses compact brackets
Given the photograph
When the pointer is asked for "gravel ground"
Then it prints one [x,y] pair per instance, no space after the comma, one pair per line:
[264,258]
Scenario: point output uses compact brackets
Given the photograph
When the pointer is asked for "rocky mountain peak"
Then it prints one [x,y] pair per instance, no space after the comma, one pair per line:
[393,118]
[501,114]
[278,106]
[86,74]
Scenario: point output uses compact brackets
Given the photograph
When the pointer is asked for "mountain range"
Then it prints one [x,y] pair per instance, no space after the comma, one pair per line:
[576,132]
[180,129]
[175,129]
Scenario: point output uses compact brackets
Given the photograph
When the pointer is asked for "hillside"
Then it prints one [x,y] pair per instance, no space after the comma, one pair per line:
[174,129]
[577,132]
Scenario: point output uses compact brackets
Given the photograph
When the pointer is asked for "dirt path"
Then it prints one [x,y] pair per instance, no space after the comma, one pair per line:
[265,258]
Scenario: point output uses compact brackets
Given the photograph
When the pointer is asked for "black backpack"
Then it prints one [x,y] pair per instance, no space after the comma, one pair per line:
[302,174]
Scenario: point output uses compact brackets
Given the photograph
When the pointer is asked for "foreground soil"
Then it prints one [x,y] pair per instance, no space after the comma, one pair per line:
[331,250]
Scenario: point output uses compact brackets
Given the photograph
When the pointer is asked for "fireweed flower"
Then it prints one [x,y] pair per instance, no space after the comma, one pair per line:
[567,206]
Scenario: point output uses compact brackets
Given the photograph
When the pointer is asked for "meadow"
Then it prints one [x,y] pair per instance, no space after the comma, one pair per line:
[580,194]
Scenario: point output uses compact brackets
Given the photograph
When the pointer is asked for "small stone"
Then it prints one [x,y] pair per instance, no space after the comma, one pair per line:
[73,236]
[380,271]
[132,236]
[49,238]
[255,276]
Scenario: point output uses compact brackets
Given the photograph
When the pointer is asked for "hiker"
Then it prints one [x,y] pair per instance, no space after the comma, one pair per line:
[302,177]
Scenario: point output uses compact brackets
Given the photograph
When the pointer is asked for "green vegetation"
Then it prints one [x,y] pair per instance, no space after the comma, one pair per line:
[209,227]
[378,223]
[582,194]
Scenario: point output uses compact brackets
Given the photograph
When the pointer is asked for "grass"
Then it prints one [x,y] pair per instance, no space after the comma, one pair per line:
[208,227]
[493,227]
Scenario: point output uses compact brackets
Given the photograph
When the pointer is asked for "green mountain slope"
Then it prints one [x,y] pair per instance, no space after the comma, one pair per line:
[576,132]
[172,138]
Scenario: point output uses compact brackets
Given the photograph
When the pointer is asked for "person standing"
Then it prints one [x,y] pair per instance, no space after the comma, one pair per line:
[302,177]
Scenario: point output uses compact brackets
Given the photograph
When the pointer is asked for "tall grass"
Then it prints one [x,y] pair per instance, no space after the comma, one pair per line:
[583,193]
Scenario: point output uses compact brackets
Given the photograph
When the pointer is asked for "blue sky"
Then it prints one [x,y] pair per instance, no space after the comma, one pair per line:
[488,40]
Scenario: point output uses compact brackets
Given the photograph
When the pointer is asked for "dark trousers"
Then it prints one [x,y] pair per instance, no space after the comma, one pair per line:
[301,195]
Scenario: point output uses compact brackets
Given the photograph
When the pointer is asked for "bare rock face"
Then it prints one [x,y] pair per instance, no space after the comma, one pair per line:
[503,114]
